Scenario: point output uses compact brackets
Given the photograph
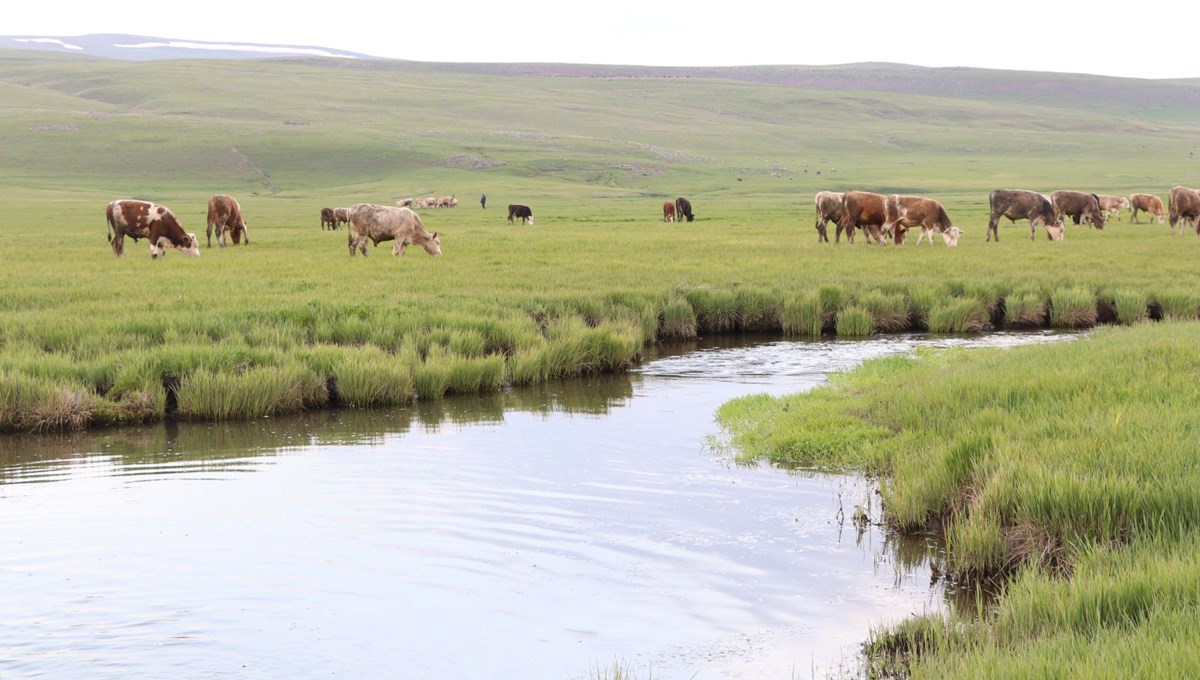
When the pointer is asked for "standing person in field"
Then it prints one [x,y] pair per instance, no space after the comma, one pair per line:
[483,201]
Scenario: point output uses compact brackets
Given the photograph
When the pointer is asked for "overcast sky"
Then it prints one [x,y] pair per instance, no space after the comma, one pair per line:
[1134,40]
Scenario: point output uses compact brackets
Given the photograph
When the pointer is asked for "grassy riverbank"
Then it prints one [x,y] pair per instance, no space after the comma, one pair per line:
[1068,468]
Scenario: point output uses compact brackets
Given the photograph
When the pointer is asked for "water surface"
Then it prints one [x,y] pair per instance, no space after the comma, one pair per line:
[539,533]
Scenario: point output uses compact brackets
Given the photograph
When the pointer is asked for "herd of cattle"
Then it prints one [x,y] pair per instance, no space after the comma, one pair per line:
[886,218]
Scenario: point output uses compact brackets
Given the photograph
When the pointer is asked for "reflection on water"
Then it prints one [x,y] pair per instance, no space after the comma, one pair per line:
[532,533]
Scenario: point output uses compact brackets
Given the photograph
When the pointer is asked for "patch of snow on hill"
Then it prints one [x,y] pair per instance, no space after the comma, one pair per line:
[266,49]
[51,41]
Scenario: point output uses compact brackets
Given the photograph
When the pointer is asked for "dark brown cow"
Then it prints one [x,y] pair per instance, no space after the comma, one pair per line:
[143,219]
[862,209]
[902,213]
[380,223]
[829,209]
[1079,206]
[327,219]
[225,215]
[1146,202]
[683,208]
[1019,204]
[1184,206]
[668,211]
[523,212]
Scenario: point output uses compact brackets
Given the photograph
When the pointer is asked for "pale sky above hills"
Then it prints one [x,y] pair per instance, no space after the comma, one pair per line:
[1135,41]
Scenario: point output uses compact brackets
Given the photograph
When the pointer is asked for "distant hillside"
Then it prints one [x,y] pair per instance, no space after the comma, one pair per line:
[300,123]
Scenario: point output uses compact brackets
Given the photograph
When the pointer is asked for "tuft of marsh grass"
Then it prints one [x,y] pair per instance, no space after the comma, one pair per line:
[959,315]
[1025,310]
[1073,308]
[1130,306]
[1178,305]
[855,322]
[889,311]
[373,379]
[802,315]
[678,319]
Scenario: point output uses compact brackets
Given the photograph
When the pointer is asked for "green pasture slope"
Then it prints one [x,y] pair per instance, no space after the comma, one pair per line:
[293,322]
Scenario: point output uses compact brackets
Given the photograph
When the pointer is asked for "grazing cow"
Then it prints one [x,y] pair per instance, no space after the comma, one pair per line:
[327,218]
[143,219]
[521,211]
[447,202]
[404,203]
[829,209]
[668,211]
[225,215]
[1019,204]
[379,223]
[340,216]
[1184,206]
[862,209]
[683,208]
[1079,206]
[901,213]
[1112,206]
[1146,202]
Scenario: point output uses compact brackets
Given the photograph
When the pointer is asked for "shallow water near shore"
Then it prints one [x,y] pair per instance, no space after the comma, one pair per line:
[537,533]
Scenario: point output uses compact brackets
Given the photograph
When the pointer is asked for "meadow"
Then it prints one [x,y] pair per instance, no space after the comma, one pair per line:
[1029,483]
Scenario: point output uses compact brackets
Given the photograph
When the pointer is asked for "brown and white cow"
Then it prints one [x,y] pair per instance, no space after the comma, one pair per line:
[1112,206]
[1079,206]
[521,212]
[668,211]
[378,223]
[447,202]
[863,209]
[340,216]
[404,203]
[1183,204]
[327,219]
[829,209]
[225,215]
[1148,203]
[902,213]
[1020,204]
[143,219]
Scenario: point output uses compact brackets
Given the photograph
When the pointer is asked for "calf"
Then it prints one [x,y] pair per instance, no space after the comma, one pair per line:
[1079,206]
[901,213]
[143,219]
[225,215]
[1112,206]
[1148,203]
[668,211]
[829,209]
[340,216]
[1019,204]
[379,223]
[520,211]
[1184,206]
[683,208]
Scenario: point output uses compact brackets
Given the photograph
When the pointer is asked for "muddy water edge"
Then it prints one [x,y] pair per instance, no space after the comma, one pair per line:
[543,532]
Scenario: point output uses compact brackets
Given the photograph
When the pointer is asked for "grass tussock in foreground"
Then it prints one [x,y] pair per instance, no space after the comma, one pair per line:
[1070,469]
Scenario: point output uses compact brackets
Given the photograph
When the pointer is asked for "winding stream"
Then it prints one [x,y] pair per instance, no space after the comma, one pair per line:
[540,533]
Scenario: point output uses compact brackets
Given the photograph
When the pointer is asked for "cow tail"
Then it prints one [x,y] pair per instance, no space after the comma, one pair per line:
[108,218]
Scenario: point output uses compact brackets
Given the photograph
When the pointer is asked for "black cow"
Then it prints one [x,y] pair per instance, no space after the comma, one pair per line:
[683,208]
[521,211]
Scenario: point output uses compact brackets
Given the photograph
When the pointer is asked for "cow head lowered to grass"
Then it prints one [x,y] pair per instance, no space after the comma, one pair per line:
[143,219]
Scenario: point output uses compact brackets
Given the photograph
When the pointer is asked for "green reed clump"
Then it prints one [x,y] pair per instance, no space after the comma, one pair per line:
[528,367]
[717,309]
[1130,306]
[372,378]
[1073,308]
[889,311]
[252,393]
[758,310]
[855,322]
[31,403]
[1178,305]
[921,301]
[1025,310]
[802,315]
[472,375]
[431,378]
[959,315]
[678,319]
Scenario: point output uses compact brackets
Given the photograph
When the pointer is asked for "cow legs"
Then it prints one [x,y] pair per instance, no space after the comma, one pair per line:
[118,244]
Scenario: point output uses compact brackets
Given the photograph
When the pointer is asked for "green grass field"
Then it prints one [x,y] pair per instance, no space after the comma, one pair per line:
[1080,453]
